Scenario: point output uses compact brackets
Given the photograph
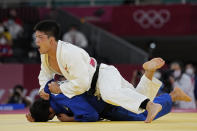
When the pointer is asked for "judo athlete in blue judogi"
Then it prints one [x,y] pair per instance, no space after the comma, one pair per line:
[88,108]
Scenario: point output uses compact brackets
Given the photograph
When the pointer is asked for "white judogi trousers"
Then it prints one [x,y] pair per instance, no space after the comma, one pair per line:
[114,89]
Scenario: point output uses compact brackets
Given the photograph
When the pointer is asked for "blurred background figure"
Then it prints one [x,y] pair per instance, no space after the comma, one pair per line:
[5,43]
[166,76]
[190,71]
[13,16]
[136,76]
[14,24]
[74,36]
[157,74]
[18,96]
[184,82]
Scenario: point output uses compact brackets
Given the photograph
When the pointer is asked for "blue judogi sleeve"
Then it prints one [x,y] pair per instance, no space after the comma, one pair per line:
[79,106]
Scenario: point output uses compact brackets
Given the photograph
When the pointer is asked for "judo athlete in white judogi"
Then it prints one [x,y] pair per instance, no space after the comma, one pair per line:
[80,70]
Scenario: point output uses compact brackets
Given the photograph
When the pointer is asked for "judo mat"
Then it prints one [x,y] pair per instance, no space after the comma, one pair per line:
[171,122]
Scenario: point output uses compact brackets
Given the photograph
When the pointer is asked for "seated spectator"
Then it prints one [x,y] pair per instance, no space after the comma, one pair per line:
[14,29]
[5,43]
[8,36]
[13,15]
[13,24]
[190,71]
[18,97]
[183,81]
[74,36]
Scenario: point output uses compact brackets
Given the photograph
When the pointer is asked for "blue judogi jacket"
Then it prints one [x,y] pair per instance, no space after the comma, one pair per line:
[78,106]
[87,108]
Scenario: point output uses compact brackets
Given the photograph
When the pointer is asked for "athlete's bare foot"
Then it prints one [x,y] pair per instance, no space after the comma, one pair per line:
[153,64]
[179,95]
[153,109]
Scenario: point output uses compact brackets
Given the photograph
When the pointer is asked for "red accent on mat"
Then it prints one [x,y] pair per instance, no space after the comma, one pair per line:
[24,111]
[184,110]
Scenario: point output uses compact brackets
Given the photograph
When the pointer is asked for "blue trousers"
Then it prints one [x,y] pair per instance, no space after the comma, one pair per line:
[120,114]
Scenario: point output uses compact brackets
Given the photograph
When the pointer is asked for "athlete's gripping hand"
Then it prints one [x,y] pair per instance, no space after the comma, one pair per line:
[65,118]
[44,95]
[54,88]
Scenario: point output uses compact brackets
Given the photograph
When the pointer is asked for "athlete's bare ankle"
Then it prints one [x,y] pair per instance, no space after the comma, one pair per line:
[149,105]
[149,74]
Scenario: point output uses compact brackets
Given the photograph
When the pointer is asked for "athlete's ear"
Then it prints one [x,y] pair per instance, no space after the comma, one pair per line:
[52,40]
[30,118]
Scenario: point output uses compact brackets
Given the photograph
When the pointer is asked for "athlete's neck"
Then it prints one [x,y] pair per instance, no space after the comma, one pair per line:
[52,51]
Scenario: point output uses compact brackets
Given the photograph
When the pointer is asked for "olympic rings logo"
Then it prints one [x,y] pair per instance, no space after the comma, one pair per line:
[151,18]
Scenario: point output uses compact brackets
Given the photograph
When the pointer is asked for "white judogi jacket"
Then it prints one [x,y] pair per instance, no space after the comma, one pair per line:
[75,66]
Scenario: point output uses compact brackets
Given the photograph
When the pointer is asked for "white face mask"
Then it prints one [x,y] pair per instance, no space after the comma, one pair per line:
[3,41]
[1,29]
[157,75]
[10,22]
[176,73]
[73,32]
[189,71]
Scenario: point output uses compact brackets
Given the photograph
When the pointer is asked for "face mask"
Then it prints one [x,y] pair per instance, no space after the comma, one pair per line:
[3,41]
[176,73]
[157,75]
[189,71]
[73,32]
[10,22]
[1,29]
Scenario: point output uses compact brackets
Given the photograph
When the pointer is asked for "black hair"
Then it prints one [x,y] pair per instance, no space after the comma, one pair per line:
[18,87]
[49,27]
[165,78]
[74,25]
[180,63]
[40,110]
